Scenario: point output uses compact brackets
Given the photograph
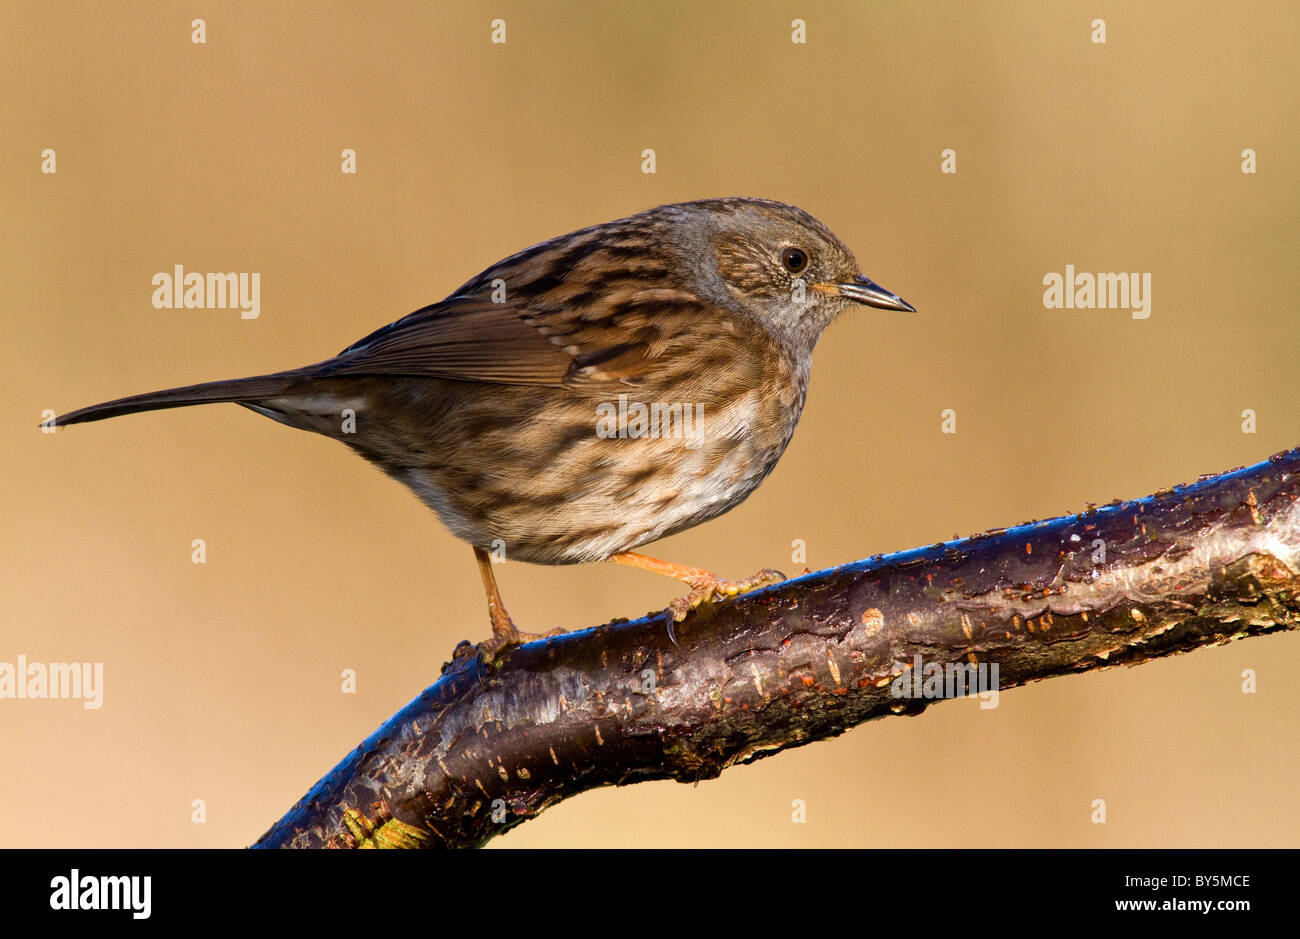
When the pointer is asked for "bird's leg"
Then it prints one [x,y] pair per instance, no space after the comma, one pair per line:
[705,585]
[504,631]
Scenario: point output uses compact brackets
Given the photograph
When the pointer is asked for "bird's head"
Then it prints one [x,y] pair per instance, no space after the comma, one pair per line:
[782,266]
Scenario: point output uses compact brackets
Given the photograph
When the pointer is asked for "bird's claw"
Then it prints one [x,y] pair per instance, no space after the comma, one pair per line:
[716,589]
[505,636]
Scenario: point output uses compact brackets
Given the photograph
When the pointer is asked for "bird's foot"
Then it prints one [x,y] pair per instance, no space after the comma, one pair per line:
[710,587]
[505,636]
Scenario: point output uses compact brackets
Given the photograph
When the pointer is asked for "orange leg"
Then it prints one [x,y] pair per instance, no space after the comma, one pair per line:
[705,585]
[504,632]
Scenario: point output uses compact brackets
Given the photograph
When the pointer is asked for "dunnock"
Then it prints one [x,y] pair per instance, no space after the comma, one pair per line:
[589,394]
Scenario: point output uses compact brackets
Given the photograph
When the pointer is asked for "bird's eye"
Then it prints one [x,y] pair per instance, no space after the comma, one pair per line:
[794,259]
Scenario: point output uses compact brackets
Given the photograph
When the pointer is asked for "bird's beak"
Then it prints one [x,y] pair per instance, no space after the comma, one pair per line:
[865,290]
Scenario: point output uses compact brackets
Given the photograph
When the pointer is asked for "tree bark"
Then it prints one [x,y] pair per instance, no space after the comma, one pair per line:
[488,747]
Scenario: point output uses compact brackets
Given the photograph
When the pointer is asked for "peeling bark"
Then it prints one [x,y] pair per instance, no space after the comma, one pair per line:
[486,748]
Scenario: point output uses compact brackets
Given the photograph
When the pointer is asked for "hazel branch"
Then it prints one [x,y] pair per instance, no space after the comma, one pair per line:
[486,748]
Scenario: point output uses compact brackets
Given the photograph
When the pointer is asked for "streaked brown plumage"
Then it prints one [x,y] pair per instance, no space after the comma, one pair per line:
[486,404]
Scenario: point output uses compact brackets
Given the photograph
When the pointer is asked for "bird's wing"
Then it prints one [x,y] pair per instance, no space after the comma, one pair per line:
[628,335]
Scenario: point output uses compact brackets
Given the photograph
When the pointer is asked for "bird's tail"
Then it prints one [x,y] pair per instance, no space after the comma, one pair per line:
[238,390]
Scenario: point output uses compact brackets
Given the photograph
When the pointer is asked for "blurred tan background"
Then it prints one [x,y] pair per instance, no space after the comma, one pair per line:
[222,681]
